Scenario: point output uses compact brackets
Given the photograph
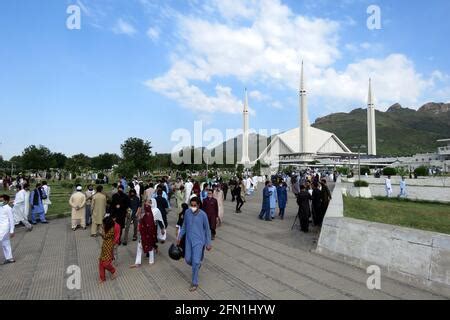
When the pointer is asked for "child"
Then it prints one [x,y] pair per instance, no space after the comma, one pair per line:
[116,240]
[184,207]
[106,256]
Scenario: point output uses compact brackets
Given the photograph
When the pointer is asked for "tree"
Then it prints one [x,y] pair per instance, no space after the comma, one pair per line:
[136,153]
[421,171]
[125,169]
[105,161]
[58,160]
[389,171]
[256,170]
[78,163]
[38,158]
[239,170]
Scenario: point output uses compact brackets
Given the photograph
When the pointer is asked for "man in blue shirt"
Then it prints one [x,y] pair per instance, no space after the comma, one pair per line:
[198,236]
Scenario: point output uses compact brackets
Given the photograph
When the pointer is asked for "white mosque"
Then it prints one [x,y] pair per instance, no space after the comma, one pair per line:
[305,145]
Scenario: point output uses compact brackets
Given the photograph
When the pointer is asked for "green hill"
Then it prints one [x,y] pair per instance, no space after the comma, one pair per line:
[400,131]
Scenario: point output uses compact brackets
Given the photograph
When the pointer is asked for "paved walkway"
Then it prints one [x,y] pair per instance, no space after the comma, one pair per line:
[251,259]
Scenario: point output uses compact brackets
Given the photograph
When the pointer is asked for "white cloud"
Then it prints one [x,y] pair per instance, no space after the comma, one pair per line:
[263,45]
[258,95]
[268,50]
[123,27]
[153,33]
[394,80]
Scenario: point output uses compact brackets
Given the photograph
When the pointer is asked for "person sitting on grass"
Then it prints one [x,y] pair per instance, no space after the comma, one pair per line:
[106,255]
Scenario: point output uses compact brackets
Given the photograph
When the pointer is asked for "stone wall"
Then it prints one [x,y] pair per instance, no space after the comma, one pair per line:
[430,189]
[421,258]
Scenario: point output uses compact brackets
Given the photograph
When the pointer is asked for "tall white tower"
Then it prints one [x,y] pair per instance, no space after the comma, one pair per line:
[245,158]
[371,129]
[304,122]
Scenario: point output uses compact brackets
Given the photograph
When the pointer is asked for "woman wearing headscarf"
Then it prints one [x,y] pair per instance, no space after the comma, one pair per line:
[219,196]
[157,216]
[148,235]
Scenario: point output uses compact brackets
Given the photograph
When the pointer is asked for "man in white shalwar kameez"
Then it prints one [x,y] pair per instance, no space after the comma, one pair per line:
[388,186]
[187,190]
[46,202]
[6,228]
[248,185]
[19,210]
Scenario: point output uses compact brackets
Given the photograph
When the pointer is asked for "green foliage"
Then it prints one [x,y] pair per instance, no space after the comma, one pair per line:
[389,171]
[360,183]
[343,170]
[365,170]
[105,161]
[421,171]
[403,172]
[125,169]
[78,163]
[239,170]
[210,175]
[136,155]
[101,176]
[256,170]
[400,132]
[58,160]
[37,158]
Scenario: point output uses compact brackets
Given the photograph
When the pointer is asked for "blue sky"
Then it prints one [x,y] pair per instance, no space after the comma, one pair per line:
[146,68]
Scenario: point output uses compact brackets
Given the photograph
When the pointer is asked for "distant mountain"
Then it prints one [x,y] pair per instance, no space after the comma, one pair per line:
[400,131]
[231,149]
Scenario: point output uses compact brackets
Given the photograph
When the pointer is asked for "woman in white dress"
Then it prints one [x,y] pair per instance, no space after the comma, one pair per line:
[218,195]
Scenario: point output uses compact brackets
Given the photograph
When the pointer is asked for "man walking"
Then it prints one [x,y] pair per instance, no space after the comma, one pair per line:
[402,188]
[273,200]
[211,208]
[198,237]
[36,205]
[325,199]
[265,210]
[388,186]
[89,193]
[46,202]
[119,206]
[19,210]
[303,199]
[6,228]
[282,198]
[98,207]
[78,201]
[135,206]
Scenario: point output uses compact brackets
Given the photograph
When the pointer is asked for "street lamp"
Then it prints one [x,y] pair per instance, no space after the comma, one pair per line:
[359,147]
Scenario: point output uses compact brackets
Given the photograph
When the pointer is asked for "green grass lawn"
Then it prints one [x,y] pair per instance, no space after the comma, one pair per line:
[60,199]
[422,215]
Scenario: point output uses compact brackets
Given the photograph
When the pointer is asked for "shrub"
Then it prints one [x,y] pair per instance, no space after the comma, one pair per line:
[343,170]
[402,172]
[101,176]
[388,171]
[421,171]
[78,181]
[360,183]
[365,170]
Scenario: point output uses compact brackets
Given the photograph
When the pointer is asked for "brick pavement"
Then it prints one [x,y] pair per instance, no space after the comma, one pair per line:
[251,259]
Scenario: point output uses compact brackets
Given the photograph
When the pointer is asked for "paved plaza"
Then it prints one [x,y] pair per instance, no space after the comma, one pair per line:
[250,259]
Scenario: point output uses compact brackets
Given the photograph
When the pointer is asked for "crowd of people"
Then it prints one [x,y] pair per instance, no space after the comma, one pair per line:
[144,208]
